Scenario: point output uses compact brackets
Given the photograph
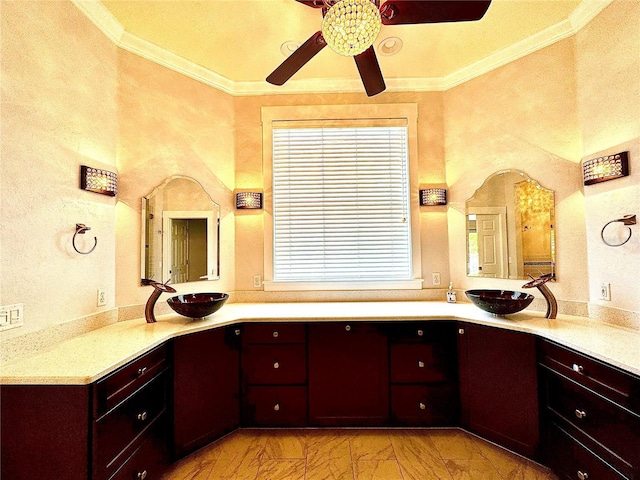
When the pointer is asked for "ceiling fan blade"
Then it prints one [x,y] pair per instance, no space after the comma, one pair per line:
[398,12]
[312,3]
[370,72]
[297,59]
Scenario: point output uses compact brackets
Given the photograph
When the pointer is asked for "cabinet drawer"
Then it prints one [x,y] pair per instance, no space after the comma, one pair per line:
[274,333]
[604,379]
[122,426]
[435,332]
[273,365]
[615,428]
[275,406]
[114,388]
[419,363]
[146,462]
[571,460]
[424,405]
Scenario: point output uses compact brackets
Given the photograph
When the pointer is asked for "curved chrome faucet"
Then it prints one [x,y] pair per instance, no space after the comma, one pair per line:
[158,289]
[540,284]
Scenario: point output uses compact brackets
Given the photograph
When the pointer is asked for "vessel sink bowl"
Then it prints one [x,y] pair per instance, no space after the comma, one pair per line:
[500,302]
[197,305]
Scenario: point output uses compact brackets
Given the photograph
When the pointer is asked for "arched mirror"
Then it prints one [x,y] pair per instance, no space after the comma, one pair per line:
[511,228]
[180,233]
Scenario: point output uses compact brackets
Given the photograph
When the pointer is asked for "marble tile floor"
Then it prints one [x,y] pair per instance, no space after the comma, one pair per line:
[354,454]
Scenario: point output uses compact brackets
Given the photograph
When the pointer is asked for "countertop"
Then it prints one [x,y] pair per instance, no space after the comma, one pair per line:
[86,358]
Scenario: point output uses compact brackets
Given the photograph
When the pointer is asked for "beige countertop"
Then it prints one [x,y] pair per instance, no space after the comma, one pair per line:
[86,358]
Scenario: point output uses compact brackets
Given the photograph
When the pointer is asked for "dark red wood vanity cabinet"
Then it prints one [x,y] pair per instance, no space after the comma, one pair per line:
[205,387]
[274,375]
[590,416]
[348,374]
[499,386]
[112,429]
[423,373]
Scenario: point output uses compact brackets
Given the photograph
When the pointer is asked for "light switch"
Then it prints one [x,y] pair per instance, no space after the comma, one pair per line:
[4,318]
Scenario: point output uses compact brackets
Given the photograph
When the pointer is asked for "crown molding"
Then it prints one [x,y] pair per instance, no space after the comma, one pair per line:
[97,13]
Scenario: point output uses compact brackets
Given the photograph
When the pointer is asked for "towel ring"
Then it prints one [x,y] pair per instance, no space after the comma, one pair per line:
[81,228]
[626,220]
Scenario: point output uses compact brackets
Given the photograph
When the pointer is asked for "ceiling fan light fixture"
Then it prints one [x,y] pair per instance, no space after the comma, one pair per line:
[351,26]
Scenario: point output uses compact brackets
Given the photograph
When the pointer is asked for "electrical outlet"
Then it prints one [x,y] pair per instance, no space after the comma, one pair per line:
[102,297]
[605,291]
[435,278]
[257,281]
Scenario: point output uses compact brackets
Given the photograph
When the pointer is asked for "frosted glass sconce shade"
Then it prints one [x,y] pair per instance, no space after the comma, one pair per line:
[249,200]
[433,196]
[605,168]
[98,181]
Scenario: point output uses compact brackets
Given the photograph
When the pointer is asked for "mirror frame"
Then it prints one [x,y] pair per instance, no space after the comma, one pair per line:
[504,217]
[213,228]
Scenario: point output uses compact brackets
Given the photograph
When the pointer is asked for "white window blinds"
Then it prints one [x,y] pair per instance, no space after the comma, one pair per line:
[341,204]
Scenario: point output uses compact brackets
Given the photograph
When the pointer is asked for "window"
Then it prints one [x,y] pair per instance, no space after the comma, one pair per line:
[341,205]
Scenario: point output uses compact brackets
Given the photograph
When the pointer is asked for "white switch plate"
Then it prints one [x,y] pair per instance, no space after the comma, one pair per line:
[11,316]
[605,291]
[435,277]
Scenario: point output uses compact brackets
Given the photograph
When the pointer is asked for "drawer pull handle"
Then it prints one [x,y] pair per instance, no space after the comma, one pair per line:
[237,332]
[420,333]
[578,368]
[142,416]
[142,371]
[580,413]
[276,365]
[276,407]
[422,406]
[583,475]
[347,328]
[461,331]
[420,364]
[142,475]
[275,334]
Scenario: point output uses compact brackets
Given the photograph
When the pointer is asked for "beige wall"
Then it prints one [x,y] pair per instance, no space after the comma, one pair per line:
[70,97]
[608,79]
[170,124]
[59,111]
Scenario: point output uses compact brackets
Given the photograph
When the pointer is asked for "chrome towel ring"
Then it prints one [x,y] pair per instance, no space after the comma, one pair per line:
[626,220]
[81,229]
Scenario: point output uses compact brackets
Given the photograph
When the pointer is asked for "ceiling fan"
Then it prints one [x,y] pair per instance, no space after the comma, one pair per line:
[350,27]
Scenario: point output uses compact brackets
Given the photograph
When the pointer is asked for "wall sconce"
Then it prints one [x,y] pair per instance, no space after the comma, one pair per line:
[98,181]
[248,200]
[605,168]
[433,196]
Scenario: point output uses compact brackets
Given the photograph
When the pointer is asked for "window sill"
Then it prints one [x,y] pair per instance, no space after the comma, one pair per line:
[415,284]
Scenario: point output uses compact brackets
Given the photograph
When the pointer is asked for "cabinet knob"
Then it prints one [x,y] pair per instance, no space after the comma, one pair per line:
[420,333]
[275,334]
[583,475]
[142,416]
[142,371]
[578,368]
[276,407]
[237,332]
[422,406]
[580,413]
[347,328]
[420,364]
[461,331]
[276,365]
[142,475]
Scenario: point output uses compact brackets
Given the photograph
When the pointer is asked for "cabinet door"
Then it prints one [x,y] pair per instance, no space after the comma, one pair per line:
[206,385]
[498,386]
[348,374]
